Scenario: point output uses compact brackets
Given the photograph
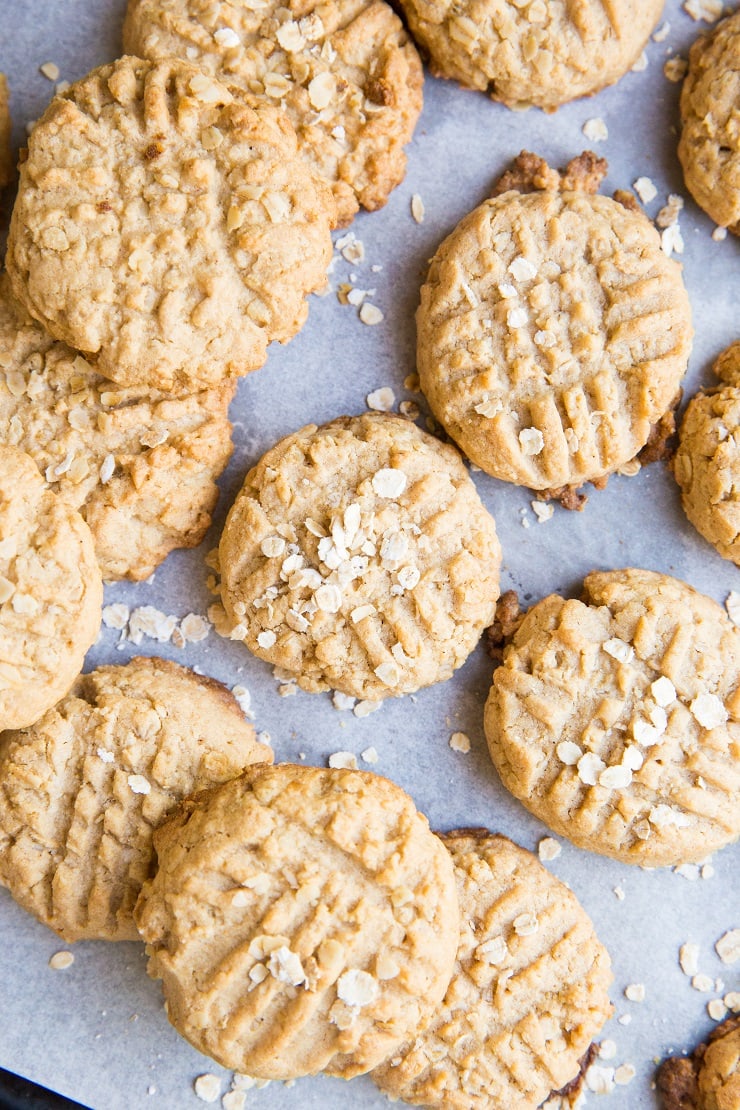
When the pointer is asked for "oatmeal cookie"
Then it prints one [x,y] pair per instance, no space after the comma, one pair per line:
[345,72]
[709,147]
[707,464]
[553,332]
[51,592]
[523,52]
[139,465]
[7,167]
[301,920]
[528,993]
[616,719]
[82,790]
[359,557]
[166,223]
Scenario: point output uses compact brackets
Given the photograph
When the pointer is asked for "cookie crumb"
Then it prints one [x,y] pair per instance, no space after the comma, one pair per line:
[675,69]
[459,742]
[207,1087]
[60,961]
[543,510]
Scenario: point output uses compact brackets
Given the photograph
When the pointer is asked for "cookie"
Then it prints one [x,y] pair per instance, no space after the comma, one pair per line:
[528,993]
[708,1079]
[358,557]
[301,920]
[83,789]
[139,465]
[180,252]
[345,72]
[7,165]
[553,333]
[51,593]
[709,147]
[616,719]
[706,465]
[524,52]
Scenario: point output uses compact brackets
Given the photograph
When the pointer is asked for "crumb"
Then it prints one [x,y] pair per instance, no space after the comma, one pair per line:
[460,742]
[506,621]
[661,446]
[627,200]
[570,497]
[595,130]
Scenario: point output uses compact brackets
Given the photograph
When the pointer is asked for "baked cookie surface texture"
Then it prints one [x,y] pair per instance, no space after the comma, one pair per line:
[542,52]
[344,71]
[706,464]
[139,465]
[616,719]
[553,333]
[82,790]
[301,920]
[358,556]
[528,993]
[168,226]
[51,592]
[709,147]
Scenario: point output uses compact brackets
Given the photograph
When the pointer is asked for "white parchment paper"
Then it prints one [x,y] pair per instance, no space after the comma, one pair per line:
[97,1031]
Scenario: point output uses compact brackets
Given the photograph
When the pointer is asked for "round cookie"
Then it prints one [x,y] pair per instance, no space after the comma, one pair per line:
[51,592]
[616,719]
[528,993]
[140,466]
[553,333]
[83,789]
[523,52]
[345,72]
[707,465]
[301,920]
[709,147]
[359,557]
[166,223]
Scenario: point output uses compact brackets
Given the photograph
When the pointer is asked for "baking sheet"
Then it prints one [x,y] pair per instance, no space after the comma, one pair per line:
[97,1031]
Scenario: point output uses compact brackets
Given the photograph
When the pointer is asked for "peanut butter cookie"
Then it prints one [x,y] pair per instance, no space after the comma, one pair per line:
[83,789]
[553,333]
[528,993]
[301,920]
[345,72]
[616,719]
[166,224]
[51,592]
[359,557]
[139,465]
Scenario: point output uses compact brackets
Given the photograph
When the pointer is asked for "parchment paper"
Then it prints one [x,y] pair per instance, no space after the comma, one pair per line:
[97,1031]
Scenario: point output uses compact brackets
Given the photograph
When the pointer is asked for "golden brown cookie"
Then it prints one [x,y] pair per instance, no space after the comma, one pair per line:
[301,920]
[708,1079]
[528,993]
[139,465]
[616,719]
[82,790]
[707,462]
[359,557]
[167,224]
[7,167]
[709,147]
[344,71]
[553,333]
[523,52]
[51,592]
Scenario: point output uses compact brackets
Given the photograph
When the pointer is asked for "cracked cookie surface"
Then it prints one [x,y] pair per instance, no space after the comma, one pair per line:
[82,790]
[51,592]
[528,993]
[301,919]
[345,72]
[553,332]
[167,225]
[616,719]
[523,52]
[359,557]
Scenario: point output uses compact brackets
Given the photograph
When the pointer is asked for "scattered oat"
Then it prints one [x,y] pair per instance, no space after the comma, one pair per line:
[663,691]
[526,925]
[532,441]
[116,616]
[676,68]
[607,1049]
[671,240]
[60,961]
[702,983]
[732,605]
[244,699]
[662,33]
[342,701]
[366,707]
[635,992]
[728,947]
[624,1074]
[600,1080]
[234,1100]
[663,815]
[50,70]
[590,767]
[719,234]
[568,752]
[595,130]
[717,1009]
[688,958]
[194,628]
[619,650]
[732,1001]
[548,849]
[641,64]
[670,212]
[709,711]
[707,871]
[207,1087]
[139,785]
[226,37]
[151,622]
[285,966]
[417,208]
[518,318]
[459,742]
[381,400]
[344,760]
[357,988]
[369,755]
[389,482]
[521,269]
[688,871]
[266,639]
[543,510]
[619,894]
[615,778]
[370,314]
[708,10]
[645,189]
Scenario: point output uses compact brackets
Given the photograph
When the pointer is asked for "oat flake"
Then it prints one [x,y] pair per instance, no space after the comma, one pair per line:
[635,992]
[345,761]
[532,441]
[728,946]
[709,711]
[595,130]
[548,849]
[389,482]
[417,208]
[60,961]
[357,988]
[460,742]
[207,1087]
[381,400]
[370,314]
